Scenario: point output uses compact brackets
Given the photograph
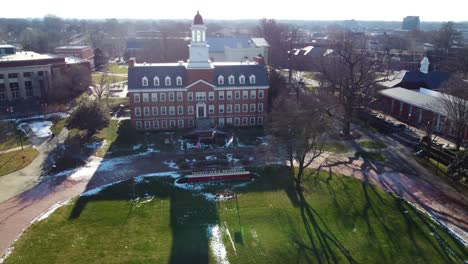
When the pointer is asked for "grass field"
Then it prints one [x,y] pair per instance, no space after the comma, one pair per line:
[115,68]
[336,147]
[371,144]
[96,77]
[10,136]
[371,155]
[16,160]
[334,220]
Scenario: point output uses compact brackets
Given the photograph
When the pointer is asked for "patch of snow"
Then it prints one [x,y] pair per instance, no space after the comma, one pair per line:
[211,158]
[196,187]
[95,145]
[47,116]
[40,129]
[88,170]
[99,189]
[172,174]
[171,164]
[137,147]
[231,158]
[216,244]
[50,210]
[230,238]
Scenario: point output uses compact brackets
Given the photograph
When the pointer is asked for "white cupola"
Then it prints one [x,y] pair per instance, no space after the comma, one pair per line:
[425,65]
[198,48]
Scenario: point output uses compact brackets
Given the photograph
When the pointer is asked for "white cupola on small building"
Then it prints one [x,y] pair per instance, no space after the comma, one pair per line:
[425,65]
[198,48]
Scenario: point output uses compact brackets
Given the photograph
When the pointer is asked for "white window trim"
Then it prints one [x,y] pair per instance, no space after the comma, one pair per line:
[135,96]
[231,79]
[144,81]
[181,96]
[252,79]
[156,81]
[221,79]
[242,79]
[179,81]
[167,81]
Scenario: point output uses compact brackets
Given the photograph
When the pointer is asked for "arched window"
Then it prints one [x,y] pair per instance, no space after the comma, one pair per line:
[231,79]
[144,81]
[179,80]
[252,79]
[220,79]
[156,81]
[167,81]
[242,79]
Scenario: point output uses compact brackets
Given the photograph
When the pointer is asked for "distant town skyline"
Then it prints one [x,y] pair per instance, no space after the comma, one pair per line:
[395,10]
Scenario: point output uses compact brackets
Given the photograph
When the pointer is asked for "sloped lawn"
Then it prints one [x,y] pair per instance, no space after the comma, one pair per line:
[334,220]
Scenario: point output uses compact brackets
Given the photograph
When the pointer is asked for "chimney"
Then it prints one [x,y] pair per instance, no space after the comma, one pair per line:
[131,62]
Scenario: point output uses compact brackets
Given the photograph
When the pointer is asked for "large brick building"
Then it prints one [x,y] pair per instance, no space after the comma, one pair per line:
[27,77]
[197,92]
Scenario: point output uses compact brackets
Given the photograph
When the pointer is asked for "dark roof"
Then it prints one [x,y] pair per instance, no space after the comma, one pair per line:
[135,74]
[219,44]
[261,78]
[198,19]
[417,79]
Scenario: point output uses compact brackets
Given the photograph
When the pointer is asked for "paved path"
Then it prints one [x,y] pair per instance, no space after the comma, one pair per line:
[14,183]
[15,149]
[17,213]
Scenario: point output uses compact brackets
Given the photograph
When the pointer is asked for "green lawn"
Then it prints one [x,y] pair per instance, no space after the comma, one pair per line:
[336,147]
[95,77]
[371,155]
[115,68]
[16,160]
[335,220]
[370,144]
[10,136]
[58,125]
[109,135]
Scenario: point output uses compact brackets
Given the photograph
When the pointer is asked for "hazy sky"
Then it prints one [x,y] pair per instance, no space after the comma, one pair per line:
[428,10]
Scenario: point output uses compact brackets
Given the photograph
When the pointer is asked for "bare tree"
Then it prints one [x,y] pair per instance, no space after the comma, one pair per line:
[350,73]
[299,125]
[455,102]
[101,86]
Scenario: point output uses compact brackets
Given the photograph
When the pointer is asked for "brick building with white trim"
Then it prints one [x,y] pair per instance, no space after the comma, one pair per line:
[188,94]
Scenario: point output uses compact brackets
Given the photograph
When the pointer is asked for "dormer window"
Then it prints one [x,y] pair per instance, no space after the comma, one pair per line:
[167,81]
[156,81]
[242,79]
[144,81]
[220,79]
[252,79]
[179,80]
[231,79]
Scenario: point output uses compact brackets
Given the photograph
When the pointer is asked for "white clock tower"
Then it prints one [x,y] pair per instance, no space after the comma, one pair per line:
[198,48]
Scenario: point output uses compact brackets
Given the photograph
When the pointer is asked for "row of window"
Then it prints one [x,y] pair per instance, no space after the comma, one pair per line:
[199,96]
[231,79]
[163,110]
[15,75]
[168,80]
[156,82]
[180,123]
[15,90]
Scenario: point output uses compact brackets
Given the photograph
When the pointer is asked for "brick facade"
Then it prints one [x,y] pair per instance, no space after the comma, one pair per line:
[180,108]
